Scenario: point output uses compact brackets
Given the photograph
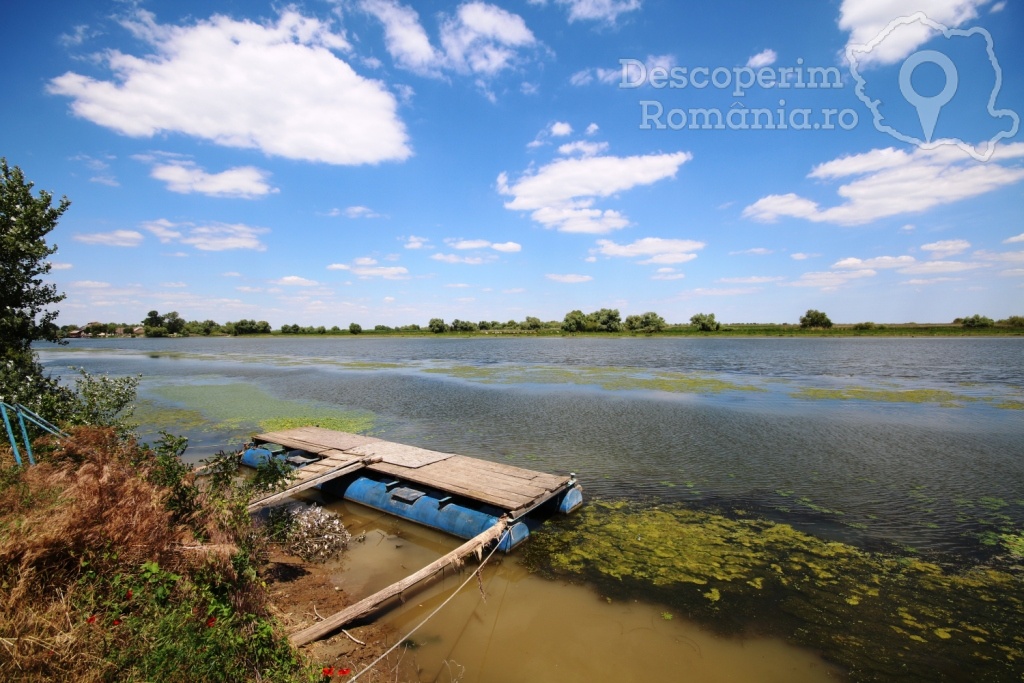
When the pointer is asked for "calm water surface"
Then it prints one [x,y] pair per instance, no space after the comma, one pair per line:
[756,425]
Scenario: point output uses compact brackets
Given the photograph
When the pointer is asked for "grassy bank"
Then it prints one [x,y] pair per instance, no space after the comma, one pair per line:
[115,565]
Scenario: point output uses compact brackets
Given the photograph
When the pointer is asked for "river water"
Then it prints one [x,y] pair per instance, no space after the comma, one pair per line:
[876,442]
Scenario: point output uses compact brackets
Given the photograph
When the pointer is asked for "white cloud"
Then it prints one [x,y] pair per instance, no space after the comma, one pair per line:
[276,87]
[364,268]
[595,10]
[721,291]
[414,242]
[879,262]
[751,280]
[560,129]
[939,267]
[584,148]
[455,258]
[295,281]
[209,237]
[763,58]
[569,278]
[865,19]
[116,238]
[480,39]
[183,177]
[829,280]
[592,129]
[1014,239]
[56,265]
[1012,272]
[891,182]
[90,284]
[468,244]
[507,247]
[946,248]
[406,40]
[174,285]
[1006,256]
[561,195]
[800,256]
[619,74]
[360,212]
[931,281]
[657,250]
[755,251]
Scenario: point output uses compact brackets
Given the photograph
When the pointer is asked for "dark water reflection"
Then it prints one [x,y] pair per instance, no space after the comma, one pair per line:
[931,477]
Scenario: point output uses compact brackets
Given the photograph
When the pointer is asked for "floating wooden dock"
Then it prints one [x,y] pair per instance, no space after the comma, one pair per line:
[504,494]
[513,489]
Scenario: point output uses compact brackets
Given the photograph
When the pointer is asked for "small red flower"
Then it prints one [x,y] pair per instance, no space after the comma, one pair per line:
[328,671]
[91,619]
[211,621]
[344,672]
[117,622]
[128,595]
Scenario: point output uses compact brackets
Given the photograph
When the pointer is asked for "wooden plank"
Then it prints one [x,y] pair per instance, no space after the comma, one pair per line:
[467,489]
[310,482]
[316,439]
[401,454]
[372,603]
[464,465]
[498,485]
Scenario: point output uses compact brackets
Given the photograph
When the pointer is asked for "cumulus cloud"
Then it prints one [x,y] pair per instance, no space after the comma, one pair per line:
[946,248]
[866,19]
[890,182]
[606,11]
[879,262]
[455,258]
[480,39]
[277,86]
[560,129]
[584,148]
[115,238]
[830,280]
[184,177]
[360,212]
[570,278]
[505,247]
[295,281]
[763,58]
[562,194]
[653,250]
[414,242]
[1014,239]
[938,267]
[366,268]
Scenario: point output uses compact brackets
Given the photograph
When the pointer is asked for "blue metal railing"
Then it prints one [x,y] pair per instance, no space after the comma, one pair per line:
[23,414]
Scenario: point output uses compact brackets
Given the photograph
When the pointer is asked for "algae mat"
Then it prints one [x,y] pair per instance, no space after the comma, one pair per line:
[241,409]
[881,616]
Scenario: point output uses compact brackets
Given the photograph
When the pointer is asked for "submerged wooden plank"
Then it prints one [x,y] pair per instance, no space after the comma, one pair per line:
[372,603]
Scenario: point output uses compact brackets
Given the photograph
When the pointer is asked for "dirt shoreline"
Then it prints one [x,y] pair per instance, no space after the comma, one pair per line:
[303,593]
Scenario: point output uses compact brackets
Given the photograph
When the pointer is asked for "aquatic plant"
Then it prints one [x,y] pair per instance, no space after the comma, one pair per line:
[882,616]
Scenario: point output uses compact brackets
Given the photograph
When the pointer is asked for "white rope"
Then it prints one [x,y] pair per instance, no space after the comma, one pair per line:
[436,610]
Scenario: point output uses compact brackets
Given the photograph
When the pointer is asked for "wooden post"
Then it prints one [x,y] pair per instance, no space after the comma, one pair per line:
[370,604]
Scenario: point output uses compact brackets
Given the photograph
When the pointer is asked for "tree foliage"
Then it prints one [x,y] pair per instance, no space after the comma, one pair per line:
[437,325]
[977,321]
[647,323]
[705,322]
[355,328]
[815,319]
[25,221]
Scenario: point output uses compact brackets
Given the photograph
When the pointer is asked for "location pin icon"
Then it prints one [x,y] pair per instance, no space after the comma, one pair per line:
[928,108]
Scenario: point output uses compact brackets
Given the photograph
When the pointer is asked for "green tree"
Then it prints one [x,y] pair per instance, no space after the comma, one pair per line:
[977,321]
[25,221]
[174,323]
[705,322]
[437,325]
[153,319]
[647,323]
[355,328]
[1013,321]
[574,322]
[531,323]
[605,320]
[815,319]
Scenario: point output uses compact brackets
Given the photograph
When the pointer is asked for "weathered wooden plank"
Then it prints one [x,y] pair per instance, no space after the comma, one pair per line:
[487,482]
[372,603]
[316,439]
[463,464]
[310,482]
[467,489]
[400,454]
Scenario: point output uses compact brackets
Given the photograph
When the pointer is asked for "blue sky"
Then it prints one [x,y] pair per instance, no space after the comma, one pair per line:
[386,161]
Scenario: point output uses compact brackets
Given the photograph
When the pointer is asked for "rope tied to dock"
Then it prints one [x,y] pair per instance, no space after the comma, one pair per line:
[474,574]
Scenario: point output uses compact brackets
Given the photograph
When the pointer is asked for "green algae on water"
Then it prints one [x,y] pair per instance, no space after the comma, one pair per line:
[882,616]
[608,378]
[244,407]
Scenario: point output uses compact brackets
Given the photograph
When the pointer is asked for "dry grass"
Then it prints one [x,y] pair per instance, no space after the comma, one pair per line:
[75,531]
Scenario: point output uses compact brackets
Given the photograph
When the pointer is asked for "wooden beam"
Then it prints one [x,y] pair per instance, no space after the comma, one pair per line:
[370,604]
[341,471]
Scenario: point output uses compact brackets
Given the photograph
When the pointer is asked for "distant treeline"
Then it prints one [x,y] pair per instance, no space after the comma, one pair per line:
[602,321]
